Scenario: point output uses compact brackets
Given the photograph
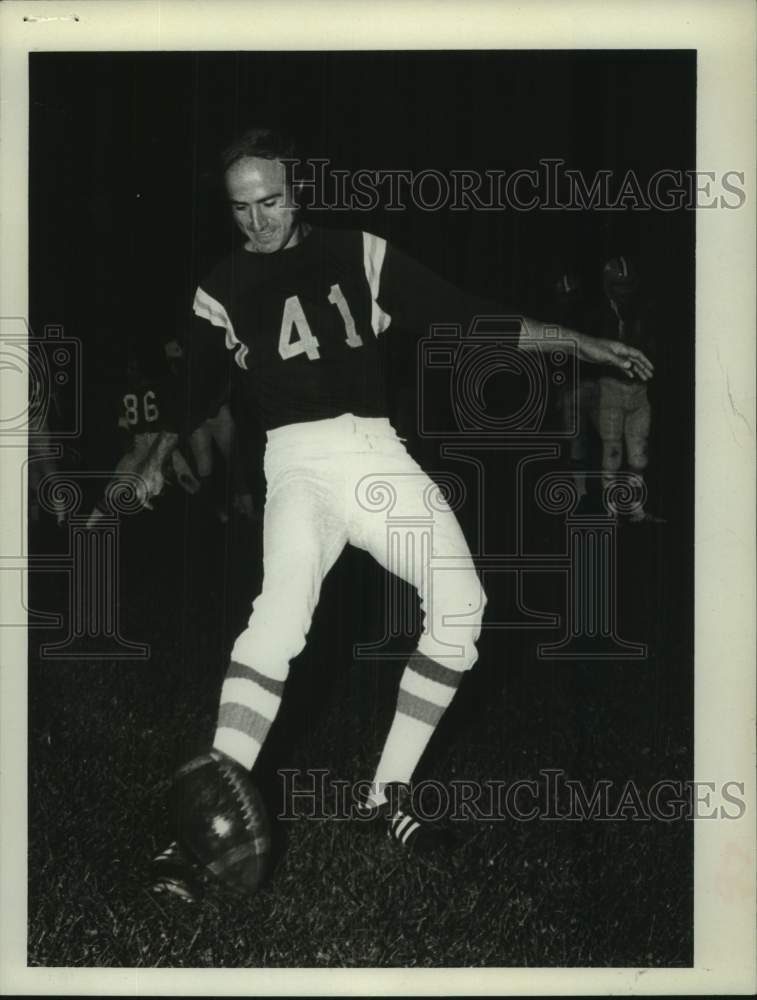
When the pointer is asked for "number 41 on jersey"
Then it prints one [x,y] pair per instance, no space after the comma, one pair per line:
[296,337]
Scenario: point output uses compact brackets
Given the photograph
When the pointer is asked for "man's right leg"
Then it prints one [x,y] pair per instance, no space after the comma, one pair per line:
[637,428]
[572,417]
[303,534]
[609,419]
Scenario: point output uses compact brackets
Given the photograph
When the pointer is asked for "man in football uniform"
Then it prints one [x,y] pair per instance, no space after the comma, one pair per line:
[567,307]
[295,313]
[140,421]
[143,400]
[622,412]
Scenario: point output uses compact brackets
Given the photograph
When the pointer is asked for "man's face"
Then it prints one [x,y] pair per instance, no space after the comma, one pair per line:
[261,204]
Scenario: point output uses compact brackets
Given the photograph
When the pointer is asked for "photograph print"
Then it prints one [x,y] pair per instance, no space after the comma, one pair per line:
[361,508]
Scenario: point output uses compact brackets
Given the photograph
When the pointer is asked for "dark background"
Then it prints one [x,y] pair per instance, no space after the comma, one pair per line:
[126,214]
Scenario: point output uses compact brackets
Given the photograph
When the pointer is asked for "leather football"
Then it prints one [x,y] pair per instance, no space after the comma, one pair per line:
[221,821]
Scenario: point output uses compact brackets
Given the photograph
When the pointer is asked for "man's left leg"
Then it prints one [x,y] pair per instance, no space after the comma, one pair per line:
[609,417]
[452,601]
[637,428]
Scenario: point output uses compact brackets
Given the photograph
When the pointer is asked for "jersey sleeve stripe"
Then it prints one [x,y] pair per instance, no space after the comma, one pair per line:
[206,307]
[374,250]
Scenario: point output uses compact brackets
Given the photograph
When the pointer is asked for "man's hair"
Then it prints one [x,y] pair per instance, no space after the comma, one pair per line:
[265,143]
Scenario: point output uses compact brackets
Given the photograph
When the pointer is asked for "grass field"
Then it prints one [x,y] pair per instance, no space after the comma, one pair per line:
[105,736]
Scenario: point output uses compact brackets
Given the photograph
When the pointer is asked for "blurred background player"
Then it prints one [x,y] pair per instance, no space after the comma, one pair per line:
[566,306]
[140,423]
[622,413]
[191,464]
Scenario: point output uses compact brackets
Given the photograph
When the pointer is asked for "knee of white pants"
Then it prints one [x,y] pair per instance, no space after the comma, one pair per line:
[452,625]
[275,634]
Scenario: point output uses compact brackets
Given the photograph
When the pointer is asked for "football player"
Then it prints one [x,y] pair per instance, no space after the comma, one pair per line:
[622,413]
[295,313]
[140,421]
[567,307]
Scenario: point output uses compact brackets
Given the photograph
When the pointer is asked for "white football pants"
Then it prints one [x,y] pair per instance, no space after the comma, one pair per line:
[351,480]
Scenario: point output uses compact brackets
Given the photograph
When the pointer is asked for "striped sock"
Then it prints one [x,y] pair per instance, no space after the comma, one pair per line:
[426,689]
[249,703]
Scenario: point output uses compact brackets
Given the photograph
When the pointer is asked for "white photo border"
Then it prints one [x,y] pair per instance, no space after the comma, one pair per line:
[723,33]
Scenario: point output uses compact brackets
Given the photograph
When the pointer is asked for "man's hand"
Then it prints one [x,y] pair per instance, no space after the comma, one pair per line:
[151,469]
[152,485]
[538,336]
[613,352]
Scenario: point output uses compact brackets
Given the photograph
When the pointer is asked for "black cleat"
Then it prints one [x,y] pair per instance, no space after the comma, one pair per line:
[404,828]
[172,873]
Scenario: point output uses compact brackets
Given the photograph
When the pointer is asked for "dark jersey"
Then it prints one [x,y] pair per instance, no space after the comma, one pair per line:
[298,329]
[141,404]
[632,323]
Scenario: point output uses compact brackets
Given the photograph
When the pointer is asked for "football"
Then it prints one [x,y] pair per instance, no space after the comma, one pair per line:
[220,820]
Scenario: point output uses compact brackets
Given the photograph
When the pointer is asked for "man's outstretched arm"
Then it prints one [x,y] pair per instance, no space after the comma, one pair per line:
[538,336]
[417,297]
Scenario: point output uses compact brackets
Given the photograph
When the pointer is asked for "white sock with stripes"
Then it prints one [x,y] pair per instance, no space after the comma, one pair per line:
[426,689]
[249,703]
